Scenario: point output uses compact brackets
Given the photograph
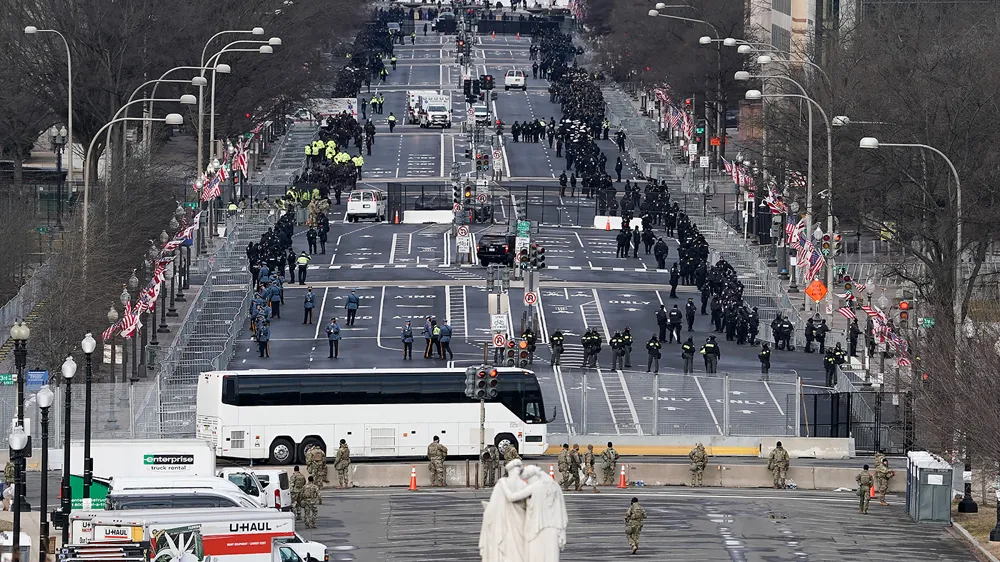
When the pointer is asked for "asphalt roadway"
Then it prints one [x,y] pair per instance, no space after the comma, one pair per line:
[706,525]
[410,272]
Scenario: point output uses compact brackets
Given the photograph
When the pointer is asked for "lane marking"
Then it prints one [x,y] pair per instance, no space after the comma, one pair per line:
[708,405]
[578,239]
[773,399]
[392,252]
[621,376]
[322,306]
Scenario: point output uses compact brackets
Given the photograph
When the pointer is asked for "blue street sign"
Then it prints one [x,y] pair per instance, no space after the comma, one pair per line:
[35,380]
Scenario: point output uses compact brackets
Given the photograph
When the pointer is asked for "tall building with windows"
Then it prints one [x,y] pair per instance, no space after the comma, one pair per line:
[789,25]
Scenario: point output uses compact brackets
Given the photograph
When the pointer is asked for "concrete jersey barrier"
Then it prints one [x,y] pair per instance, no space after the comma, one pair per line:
[810,447]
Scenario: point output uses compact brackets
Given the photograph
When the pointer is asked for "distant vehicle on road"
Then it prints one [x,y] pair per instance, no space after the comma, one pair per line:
[495,248]
[482,114]
[366,204]
[515,79]
[277,415]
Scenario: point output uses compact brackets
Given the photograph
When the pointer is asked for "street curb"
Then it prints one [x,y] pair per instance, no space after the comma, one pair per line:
[968,537]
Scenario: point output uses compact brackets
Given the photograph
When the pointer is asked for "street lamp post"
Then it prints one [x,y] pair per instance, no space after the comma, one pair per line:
[68,371]
[59,136]
[171,310]
[44,398]
[186,99]
[124,298]
[88,345]
[32,30]
[18,441]
[20,333]
[133,283]
[179,268]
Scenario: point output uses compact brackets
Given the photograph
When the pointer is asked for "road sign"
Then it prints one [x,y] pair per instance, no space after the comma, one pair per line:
[35,380]
[42,229]
[703,162]
[498,323]
[693,148]
[816,290]
[523,227]
[497,154]
[8,379]
[481,198]
[471,112]
[464,244]
[530,297]
[499,340]
[457,208]
[521,242]
[927,322]
[715,141]
[463,230]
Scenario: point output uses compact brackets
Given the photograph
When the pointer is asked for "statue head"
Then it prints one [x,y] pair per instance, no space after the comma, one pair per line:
[531,472]
[514,465]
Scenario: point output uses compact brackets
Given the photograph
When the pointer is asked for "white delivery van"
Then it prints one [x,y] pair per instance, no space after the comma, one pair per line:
[227,535]
[515,79]
[276,488]
[366,204]
[178,498]
[435,112]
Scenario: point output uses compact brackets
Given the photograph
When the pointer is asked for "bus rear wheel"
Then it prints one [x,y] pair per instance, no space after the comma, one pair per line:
[307,444]
[282,451]
[505,440]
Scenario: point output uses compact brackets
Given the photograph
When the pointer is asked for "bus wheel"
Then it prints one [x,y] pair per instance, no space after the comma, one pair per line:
[282,451]
[307,444]
[505,440]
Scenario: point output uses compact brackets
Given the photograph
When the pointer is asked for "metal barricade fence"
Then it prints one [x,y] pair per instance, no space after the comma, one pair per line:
[598,402]
[29,295]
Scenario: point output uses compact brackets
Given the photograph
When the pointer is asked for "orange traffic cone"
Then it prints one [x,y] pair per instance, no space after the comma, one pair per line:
[872,491]
[622,482]
[552,472]
[518,35]
[493,35]
[607,225]
[413,479]
[396,220]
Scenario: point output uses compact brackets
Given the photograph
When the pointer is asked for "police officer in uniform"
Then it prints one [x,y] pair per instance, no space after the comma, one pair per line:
[556,344]
[674,319]
[830,365]
[627,338]
[309,303]
[687,354]
[653,352]
[690,310]
[711,352]
[765,359]
[617,351]
[303,265]
[406,336]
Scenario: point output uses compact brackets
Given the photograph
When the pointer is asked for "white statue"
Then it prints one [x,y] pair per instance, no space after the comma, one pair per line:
[524,521]
[501,538]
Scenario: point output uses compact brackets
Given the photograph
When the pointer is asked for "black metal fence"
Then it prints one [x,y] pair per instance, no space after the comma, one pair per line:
[887,423]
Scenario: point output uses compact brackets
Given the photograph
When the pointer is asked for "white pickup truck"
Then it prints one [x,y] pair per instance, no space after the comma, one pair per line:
[435,111]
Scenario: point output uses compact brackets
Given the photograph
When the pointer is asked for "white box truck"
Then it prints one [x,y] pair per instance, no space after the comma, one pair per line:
[227,535]
[435,111]
[171,459]
[413,98]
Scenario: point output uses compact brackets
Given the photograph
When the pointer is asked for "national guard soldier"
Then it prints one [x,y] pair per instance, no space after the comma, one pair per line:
[687,354]
[342,462]
[318,456]
[563,462]
[298,481]
[609,461]
[590,475]
[777,464]
[509,453]
[711,352]
[653,353]
[865,482]
[617,351]
[407,336]
[310,499]
[436,454]
[882,475]
[699,460]
[308,304]
[575,463]
[490,460]
[627,339]
[556,343]
[879,457]
[765,359]
[633,524]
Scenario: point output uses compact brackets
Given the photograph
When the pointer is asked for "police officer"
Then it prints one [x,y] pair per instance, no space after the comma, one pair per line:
[311,236]
[711,353]
[627,339]
[687,354]
[446,351]
[765,359]
[556,344]
[303,265]
[690,310]
[661,322]
[392,121]
[333,335]
[406,335]
[308,304]
[674,319]
[263,337]
[653,355]
[675,277]
[617,351]
[830,365]
[352,305]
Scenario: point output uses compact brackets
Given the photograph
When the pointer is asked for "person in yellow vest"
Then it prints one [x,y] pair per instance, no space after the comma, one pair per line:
[309,153]
[381,99]
[374,103]
[343,158]
[393,62]
[358,162]
[232,209]
[303,264]
[315,194]
[331,143]
[392,121]
[413,38]
[304,197]
[330,153]
[292,194]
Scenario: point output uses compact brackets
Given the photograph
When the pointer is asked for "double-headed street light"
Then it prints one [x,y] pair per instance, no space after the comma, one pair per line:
[265,48]
[830,263]
[32,30]
[186,99]
[59,136]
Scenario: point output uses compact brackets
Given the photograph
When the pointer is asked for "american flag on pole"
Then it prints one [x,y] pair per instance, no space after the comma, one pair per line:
[846,312]
[728,166]
[130,321]
[110,332]
[904,362]
[803,253]
[816,262]
[241,159]
[793,228]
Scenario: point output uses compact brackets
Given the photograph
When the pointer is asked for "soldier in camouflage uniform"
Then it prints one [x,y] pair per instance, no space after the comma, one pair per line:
[310,500]
[342,461]
[436,454]
[865,481]
[588,467]
[699,460]
[777,463]
[575,462]
[490,460]
[298,481]
[563,461]
[609,461]
[510,453]
[882,476]
[316,459]
[633,523]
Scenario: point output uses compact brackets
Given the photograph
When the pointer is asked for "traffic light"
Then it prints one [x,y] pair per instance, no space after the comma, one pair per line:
[534,256]
[522,258]
[488,83]
[837,239]
[476,87]
[468,196]
[523,355]
[456,196]
[486,162]
[826,244]
[481,384]
[689,106]
[519,209]
[541,258]
[699,131]
[904,313]
[470,382]
[511,354]
[467,87]
[491,386]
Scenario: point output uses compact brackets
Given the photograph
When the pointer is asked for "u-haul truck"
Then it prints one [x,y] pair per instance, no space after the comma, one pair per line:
[227,535]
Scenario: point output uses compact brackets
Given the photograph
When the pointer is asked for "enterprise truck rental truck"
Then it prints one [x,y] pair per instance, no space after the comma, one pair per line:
[163,458]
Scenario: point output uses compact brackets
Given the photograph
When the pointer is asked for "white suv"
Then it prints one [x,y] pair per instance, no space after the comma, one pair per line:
[515,79]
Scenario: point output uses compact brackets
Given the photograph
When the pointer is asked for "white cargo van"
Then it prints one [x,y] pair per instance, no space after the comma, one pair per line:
[366,204]
[515,79]
[227,535]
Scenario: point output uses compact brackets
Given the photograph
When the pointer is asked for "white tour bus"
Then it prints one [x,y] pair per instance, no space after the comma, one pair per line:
[276,415]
